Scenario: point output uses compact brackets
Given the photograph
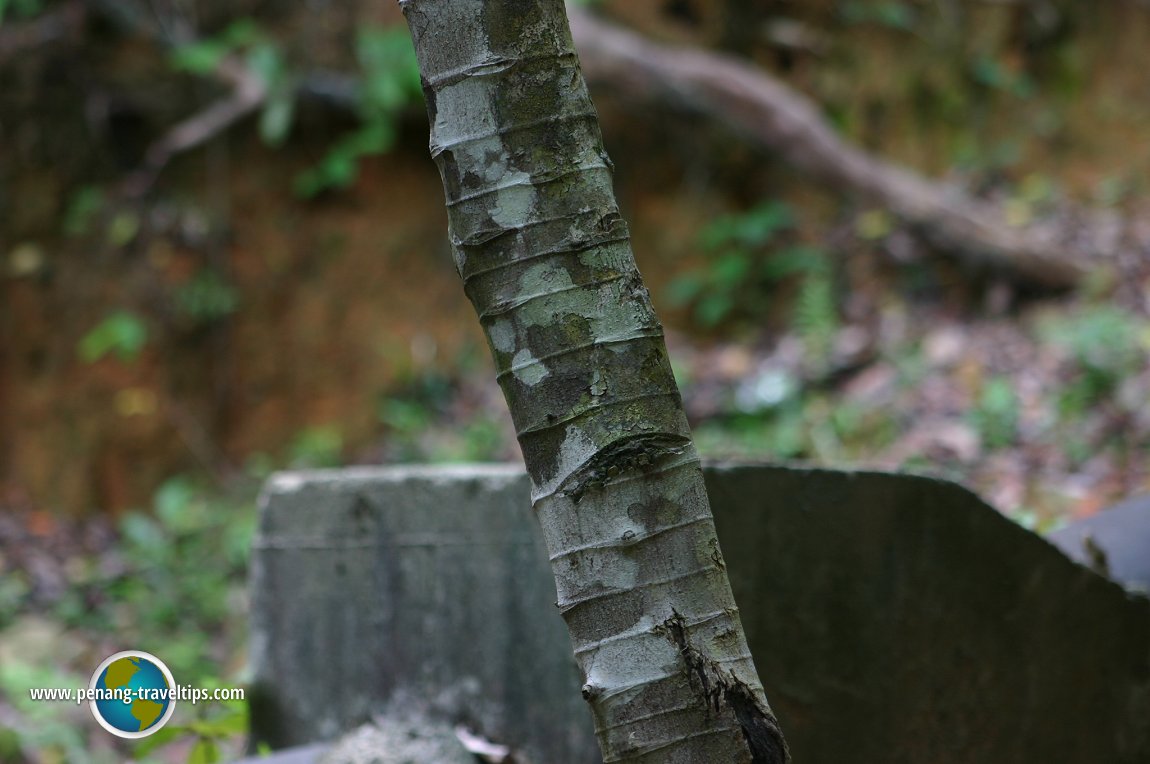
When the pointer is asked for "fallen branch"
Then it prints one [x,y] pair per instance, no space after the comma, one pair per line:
[771,116]
[761,109]
[248,93]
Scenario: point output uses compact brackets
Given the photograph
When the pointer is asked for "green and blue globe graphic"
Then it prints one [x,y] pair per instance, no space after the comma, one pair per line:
[133,697]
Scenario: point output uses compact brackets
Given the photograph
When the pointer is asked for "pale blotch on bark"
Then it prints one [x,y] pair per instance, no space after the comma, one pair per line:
[527,368]
[545,258]
[502,336]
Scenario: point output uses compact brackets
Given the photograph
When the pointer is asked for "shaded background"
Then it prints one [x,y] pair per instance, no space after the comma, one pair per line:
[175,325]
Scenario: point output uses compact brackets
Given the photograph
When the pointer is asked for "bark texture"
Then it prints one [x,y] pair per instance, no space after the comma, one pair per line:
[770,115]
[546,260]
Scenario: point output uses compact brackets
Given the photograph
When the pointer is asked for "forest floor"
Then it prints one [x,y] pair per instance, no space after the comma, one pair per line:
[290,333]
[1038,404]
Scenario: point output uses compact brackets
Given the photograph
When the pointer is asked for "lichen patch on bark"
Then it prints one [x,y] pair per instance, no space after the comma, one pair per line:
[527,368]
[501,333]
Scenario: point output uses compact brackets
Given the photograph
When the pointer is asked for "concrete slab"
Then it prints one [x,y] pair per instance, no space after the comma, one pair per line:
[1116,539]
[893,618]
[304,754]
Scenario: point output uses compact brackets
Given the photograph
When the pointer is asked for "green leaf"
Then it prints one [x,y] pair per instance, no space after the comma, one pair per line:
[762,223]
[309,183]
[201,57]
[341,165]
[390,70]
[317,447]
[713,308]
[339,169]
[267,62]
[158,739]
[874,225]
[143,532]
[815,314]
[233,721]
[205,751]
[389,83]
[21,8]
[276,117]
[682,290]
[753,228]
[207,297]
[9,738]
[404,416]
[123,228]
[996,414]
[792,260]
[241,32]
[731,269]
[1106,339]
[82,207]
[718,233]
[122,333]
[375,137]
[175,504]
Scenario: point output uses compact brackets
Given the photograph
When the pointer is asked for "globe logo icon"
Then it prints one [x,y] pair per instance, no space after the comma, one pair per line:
[132,694]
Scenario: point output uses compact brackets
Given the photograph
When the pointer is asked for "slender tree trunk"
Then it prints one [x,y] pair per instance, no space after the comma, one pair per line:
[546,260]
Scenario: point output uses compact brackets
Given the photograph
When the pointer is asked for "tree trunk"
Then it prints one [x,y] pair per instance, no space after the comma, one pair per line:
[545,258]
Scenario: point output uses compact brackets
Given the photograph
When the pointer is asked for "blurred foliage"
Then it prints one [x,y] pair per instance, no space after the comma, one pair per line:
[205,55]
[749,256]
[82,208]
[263,56]
[173,586]
[390,83]
[174,583]
[215,724]
[207,297]
[123,334]
[14,592]
[424,422]
[122,228]
[995,415]
[895,15]
[804,424]
[1104,344]
[316,448]
[45,728]
[732,279]
[20,9]
[178,565]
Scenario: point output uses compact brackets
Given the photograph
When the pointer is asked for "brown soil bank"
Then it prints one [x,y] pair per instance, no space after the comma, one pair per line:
[235,314]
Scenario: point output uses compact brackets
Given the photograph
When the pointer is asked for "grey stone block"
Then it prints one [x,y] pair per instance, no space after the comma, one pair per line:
[427,582]
[893,618]
[303,754]
[1118,538]
[395,740]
